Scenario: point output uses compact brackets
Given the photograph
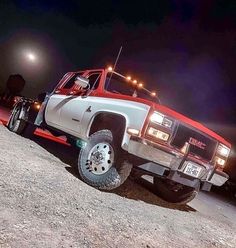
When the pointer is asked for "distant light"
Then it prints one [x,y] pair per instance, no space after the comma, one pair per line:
[31,56]
[128,78]
[140,85]
[153,93]
[110,68]
[135,81]
[37,105]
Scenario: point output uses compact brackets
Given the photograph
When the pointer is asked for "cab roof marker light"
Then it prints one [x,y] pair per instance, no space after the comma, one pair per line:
[153,93]
[140,85]
[135,81]
[110,68]
[128,78]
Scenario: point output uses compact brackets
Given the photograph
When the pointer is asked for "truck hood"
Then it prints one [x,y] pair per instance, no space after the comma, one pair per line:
[169,112]
[184,119]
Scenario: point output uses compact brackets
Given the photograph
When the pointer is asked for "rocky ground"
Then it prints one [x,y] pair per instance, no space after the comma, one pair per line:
[43,203]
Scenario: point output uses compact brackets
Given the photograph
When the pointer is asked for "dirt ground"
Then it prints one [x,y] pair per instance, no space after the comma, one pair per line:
[43,203]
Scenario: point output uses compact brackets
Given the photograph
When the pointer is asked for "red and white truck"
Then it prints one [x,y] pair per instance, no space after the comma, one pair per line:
[122,125]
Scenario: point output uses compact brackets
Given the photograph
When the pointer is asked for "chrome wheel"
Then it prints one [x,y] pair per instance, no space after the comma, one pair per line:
[102,163]
[100,158]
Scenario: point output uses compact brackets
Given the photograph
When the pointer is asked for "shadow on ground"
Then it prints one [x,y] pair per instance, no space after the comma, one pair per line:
[138,189]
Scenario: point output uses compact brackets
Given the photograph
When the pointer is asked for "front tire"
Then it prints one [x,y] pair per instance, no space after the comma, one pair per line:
[174,192]
[15,124]
[102,163]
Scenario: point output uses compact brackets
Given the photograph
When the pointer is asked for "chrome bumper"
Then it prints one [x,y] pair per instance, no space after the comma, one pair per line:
[172,162]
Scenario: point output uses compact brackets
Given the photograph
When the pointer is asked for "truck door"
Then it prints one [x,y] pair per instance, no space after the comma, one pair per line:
[58,98]
[74,106]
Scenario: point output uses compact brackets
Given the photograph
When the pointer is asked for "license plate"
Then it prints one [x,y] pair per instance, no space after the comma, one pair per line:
[192,170]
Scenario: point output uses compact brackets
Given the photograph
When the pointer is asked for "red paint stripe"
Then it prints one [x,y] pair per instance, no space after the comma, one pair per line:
[3,122]
[4,116]
[44,134]
[191,122]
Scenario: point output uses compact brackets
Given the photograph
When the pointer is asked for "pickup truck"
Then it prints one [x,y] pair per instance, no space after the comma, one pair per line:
[119,124]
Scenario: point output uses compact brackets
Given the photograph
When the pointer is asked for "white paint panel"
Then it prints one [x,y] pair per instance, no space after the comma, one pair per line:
[135,113]
[62,109]
[53,109]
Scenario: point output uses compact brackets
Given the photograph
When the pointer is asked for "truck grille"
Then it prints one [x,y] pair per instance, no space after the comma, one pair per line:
[185,134]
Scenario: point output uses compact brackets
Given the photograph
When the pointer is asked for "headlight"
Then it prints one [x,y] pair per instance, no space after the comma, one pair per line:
[223,151]
[158,134]
[220,162]
[159,118]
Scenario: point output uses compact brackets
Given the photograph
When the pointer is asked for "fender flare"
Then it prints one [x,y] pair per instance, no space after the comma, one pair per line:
[125,135]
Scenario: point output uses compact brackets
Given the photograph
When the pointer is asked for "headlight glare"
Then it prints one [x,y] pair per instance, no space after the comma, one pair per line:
[220,161]
[158,134]
[223,151]
[159,118]
[167,123]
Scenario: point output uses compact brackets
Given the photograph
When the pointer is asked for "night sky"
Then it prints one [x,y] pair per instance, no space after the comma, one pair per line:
[186,50]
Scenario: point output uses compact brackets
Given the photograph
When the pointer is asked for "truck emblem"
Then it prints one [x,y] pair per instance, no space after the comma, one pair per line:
[89,109]
[197,143]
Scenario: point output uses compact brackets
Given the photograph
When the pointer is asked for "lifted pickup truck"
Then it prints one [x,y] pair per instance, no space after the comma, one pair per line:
[120,124]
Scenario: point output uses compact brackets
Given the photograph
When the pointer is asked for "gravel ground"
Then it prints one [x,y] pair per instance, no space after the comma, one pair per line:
[44,204]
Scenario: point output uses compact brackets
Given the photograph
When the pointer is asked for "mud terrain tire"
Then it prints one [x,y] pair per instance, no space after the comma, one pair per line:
[102,162]
[181,197]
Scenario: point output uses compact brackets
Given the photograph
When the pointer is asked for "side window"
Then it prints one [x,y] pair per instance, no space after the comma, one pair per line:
[116,84]
[94,79]
[69,84]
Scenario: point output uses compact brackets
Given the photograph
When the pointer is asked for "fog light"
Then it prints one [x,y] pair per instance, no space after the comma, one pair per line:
[220,161]
[158,134]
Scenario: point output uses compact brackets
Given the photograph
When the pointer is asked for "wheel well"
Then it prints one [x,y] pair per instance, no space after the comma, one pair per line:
[114,122]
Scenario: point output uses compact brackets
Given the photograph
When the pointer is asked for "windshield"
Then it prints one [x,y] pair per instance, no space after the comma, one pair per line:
[117,83]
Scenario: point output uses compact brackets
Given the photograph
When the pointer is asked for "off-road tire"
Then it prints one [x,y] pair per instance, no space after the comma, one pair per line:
[181,197]
[15,124]
[117,173]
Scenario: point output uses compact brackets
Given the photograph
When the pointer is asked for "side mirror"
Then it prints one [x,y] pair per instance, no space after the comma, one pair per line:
[82,82]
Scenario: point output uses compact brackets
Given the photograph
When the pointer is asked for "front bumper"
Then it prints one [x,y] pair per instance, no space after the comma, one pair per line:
[174,162]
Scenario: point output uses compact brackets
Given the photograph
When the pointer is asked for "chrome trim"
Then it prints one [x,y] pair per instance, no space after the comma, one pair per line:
[172,161]
[198,131]
[218,178]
